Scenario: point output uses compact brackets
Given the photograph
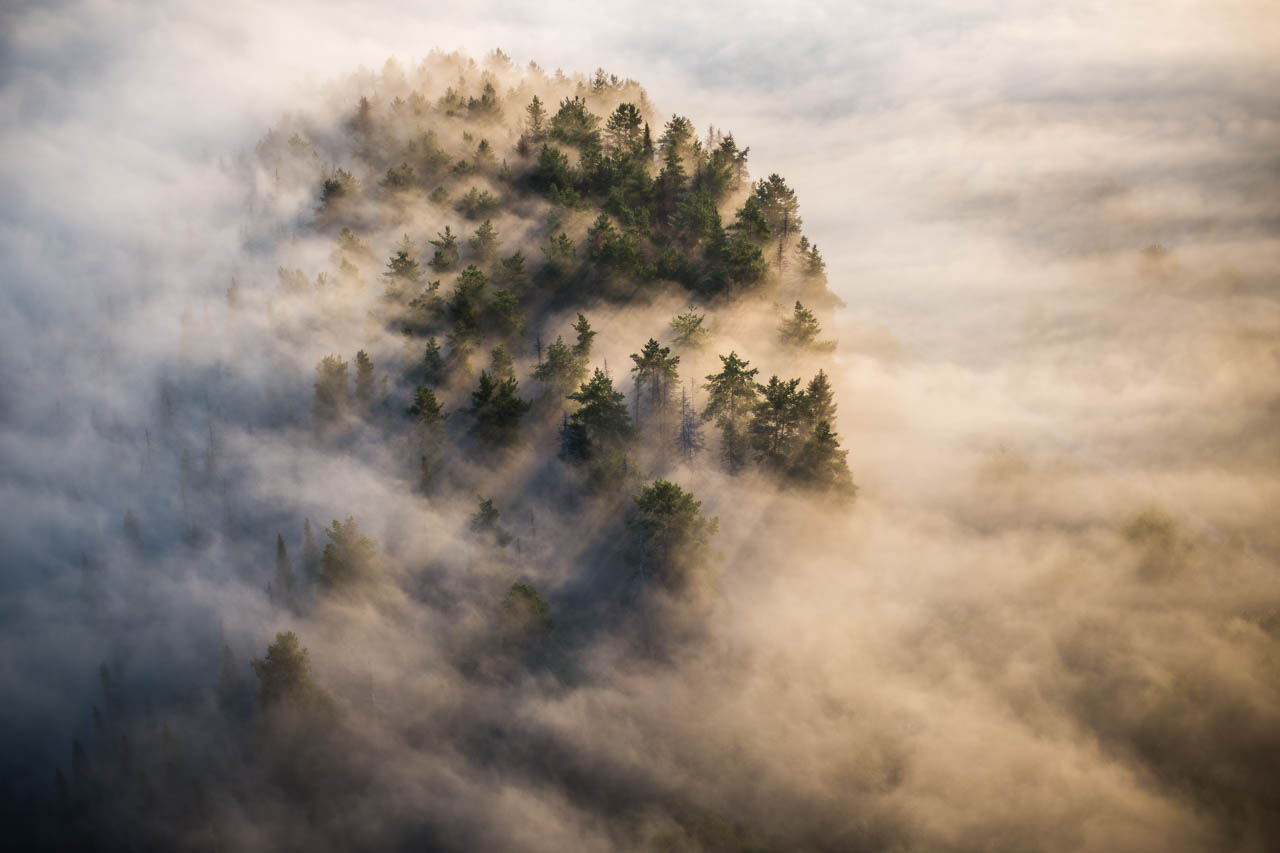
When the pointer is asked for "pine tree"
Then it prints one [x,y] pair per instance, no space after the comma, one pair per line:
[332,396]
[688,328]
[403,274]
[497,409]
[561,369]
[602,411]
[801,330]
[537,119]
[284,676]
[732,394]
[822,465]
[485,242]
[818,403]
[364,380]
[446,253]
[432,361]
[501,364]
[425,409]
[655,369]
[674,535]
[775,423]
[349,556]
[582,349]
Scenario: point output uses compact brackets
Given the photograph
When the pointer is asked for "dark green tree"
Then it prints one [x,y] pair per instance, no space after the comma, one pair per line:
[801,330]
[349,557]
[501,365]
[284,675]
[775,423]
[536,127]
[332,398]
[485,522]
[403,274]
[485,242]
[821,464]
[433,361]
[602,412]
[780,207]
[425,409]
[674,534]
[446,253]
[561,369]
[364,380]
[732,395]
[689,328]
[623,130]
[656,369]
[497,409]
[582,349]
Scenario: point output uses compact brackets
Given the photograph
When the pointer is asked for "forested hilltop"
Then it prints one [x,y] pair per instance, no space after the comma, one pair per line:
[510,372]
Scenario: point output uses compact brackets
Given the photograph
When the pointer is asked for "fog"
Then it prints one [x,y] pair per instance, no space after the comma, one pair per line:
[1048,622]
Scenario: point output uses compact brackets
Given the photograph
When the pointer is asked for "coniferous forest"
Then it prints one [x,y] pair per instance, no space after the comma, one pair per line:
[470,455]
[550,317]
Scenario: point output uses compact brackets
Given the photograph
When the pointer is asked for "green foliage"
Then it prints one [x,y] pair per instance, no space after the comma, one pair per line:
[332,396]
[655,371]
[582,349]
[574,124]
[779,205]
[689,328]
[484,158]
[536,127]
[511,274]
[732,395]
[477,203]
[821,465]
[403,274]
[552,176]
[614,250]
[399,178]
[697,220]
[674,534]
[801,330]
[497,409]
[348,557]
[466,303]
[776,422]
[432,361]
[284,675]
[561,368]
[340,186]
[504,314]
[425,409]
[364,379]
[485,521]
[501,364]
[446,253]
[485,242]
[602,412]
[623,130]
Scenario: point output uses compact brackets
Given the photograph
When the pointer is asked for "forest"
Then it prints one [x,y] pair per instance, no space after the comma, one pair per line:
[461,249]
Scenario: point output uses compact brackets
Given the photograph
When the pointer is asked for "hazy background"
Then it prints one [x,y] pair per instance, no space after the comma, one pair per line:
[1056,229]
